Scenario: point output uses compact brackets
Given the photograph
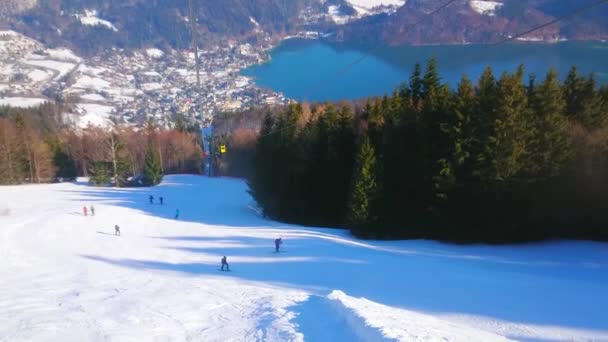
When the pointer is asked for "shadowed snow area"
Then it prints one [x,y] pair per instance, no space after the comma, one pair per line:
[66,277]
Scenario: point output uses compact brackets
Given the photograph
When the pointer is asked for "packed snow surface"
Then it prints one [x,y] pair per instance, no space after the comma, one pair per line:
[67,277]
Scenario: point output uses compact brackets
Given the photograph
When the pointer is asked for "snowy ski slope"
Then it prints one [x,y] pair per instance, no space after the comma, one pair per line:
[66,277]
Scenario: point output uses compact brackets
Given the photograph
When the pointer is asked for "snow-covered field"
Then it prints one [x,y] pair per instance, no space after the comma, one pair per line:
[66,277]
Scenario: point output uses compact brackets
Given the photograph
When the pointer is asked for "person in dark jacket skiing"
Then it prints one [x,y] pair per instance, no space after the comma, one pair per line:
[176,214]
[151,199]
[116,230]
[225,263]
[92,211]
[162,200]
[277,244]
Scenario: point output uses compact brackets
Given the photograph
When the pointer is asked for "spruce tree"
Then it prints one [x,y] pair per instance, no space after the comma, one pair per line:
[549,145]
[99,173]
[153,174]
[416,85]
[511,132]
[363,189]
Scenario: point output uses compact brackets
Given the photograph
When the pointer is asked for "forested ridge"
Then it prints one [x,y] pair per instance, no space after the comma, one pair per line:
[505,158]
[35,147]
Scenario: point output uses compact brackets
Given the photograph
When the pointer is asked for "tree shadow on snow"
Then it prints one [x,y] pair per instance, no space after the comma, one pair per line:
[427,283]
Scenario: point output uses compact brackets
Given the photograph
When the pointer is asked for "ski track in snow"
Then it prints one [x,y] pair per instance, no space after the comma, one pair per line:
[67,277]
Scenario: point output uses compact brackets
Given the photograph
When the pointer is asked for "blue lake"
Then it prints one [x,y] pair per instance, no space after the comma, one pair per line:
[317,71]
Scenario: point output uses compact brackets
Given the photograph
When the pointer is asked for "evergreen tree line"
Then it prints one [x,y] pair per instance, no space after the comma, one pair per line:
[37,149]
[502,159]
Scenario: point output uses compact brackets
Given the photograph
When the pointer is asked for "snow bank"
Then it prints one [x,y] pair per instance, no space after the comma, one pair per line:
[374,322]
[486,7]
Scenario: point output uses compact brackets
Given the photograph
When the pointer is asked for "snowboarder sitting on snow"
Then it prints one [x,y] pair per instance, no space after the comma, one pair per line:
[151,199]
[117,230]
[277,244]
[84,211]
[225,263]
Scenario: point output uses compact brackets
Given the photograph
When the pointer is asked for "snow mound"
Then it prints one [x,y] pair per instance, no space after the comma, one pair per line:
[486,7]
[374,322]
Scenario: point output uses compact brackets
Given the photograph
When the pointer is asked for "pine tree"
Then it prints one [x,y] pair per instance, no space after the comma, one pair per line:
[262,178]
[363,189]
[99,173]
[153,174]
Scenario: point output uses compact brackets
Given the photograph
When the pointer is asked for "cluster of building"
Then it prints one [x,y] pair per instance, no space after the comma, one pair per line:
[135,86]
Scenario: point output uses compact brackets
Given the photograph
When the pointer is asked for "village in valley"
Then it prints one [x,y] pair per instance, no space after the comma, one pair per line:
[131,87]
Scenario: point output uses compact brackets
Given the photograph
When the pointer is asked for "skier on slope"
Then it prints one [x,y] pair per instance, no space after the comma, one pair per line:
[176,214]
[116,230]
[84,211]
[92,211]
[151,199]
[277,244]
[225,263]
[162,200]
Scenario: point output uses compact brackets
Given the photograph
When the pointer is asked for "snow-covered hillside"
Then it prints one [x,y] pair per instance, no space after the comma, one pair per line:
[66,277]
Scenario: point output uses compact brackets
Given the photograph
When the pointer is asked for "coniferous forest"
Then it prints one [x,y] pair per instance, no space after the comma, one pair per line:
[504,158]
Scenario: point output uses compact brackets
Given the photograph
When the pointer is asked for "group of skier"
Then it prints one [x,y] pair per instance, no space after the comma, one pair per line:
[161,200]
[85,211]
[224,262]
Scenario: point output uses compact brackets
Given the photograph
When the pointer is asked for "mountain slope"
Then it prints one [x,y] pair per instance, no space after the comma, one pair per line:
[472,21]
[90,26]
